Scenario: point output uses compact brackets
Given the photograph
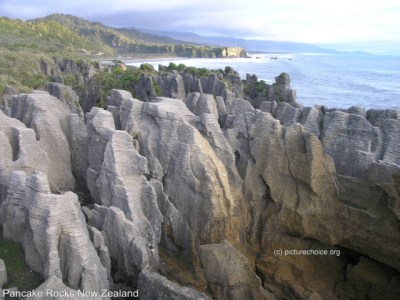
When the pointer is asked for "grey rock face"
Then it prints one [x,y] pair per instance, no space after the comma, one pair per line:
[49,117]
[311,121]
[182,202]
[237,85]
[238,106]
[387,288]
[154,286]
[169,124]
[177,237]
[98,242]
[391,141]
[45,67]
[78,141]
[349,139]
[172,86]
[202,103]
[6,99]
[100,125]
[131,226]
[356,110]
[53,235]
[218,261]
[66,95]
[376,116]
[221,108]
[281,92]
[145,89]
[132,249]
[211,85]
[258,92]
[192,83]
[54,289]
[3,273]
[287,114]
[19,151]
[310,181]
[114,103]
[269,107]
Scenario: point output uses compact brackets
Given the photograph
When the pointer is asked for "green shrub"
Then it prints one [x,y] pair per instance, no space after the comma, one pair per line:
[282,75]
[228,70]
[70,80]
[36,81]
[171,67]
[121,79]
[230,86]
[147,68]
[181,67]
[247,88]
[118,70]
[199,71]
[157,89]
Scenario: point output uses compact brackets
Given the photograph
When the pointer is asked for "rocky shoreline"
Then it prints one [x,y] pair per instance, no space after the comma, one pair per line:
[216,188]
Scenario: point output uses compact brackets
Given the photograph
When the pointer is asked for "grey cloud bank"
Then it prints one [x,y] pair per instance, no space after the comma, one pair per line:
[372,28]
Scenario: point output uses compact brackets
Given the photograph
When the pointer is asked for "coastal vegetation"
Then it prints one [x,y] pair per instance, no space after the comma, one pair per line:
[19,274]
[93,39]
[25,45]
[19,67]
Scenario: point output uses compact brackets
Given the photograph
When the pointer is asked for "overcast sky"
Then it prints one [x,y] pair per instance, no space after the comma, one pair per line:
[349,25]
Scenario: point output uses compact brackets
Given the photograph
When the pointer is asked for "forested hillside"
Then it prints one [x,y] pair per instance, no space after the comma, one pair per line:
[26,46]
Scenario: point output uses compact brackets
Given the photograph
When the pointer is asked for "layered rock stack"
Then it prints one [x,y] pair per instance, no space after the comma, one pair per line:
[199,194]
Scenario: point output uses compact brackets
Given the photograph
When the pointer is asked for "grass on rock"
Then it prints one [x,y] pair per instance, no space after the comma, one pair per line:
[18,273]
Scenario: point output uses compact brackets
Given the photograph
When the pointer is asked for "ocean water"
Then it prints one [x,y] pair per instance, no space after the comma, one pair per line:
[336,81]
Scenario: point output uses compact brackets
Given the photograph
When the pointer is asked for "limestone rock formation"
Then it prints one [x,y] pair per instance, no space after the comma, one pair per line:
[6,99]
[67,96]
[172,86]
[169,124]
[237,85]
[49,117]
[154,286]
[281,91]
[267,152]
[3,273]
[130,222]
[218,261]
[202,103]
[145,89]
[212,85]
[54,289]
[195,194]
[53,235]
[19,151]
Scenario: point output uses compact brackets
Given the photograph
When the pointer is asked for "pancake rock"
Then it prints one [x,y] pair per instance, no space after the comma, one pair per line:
[202,194]
[3,273]
[54,237]
[49,117]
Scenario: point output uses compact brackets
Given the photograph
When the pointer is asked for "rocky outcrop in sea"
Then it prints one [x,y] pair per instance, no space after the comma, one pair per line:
[220,188]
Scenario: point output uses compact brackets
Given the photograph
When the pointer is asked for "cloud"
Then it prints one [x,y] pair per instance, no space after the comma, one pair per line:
[340,21]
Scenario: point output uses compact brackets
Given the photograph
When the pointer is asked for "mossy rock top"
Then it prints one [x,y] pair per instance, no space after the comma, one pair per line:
[18,273]
[283,78]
